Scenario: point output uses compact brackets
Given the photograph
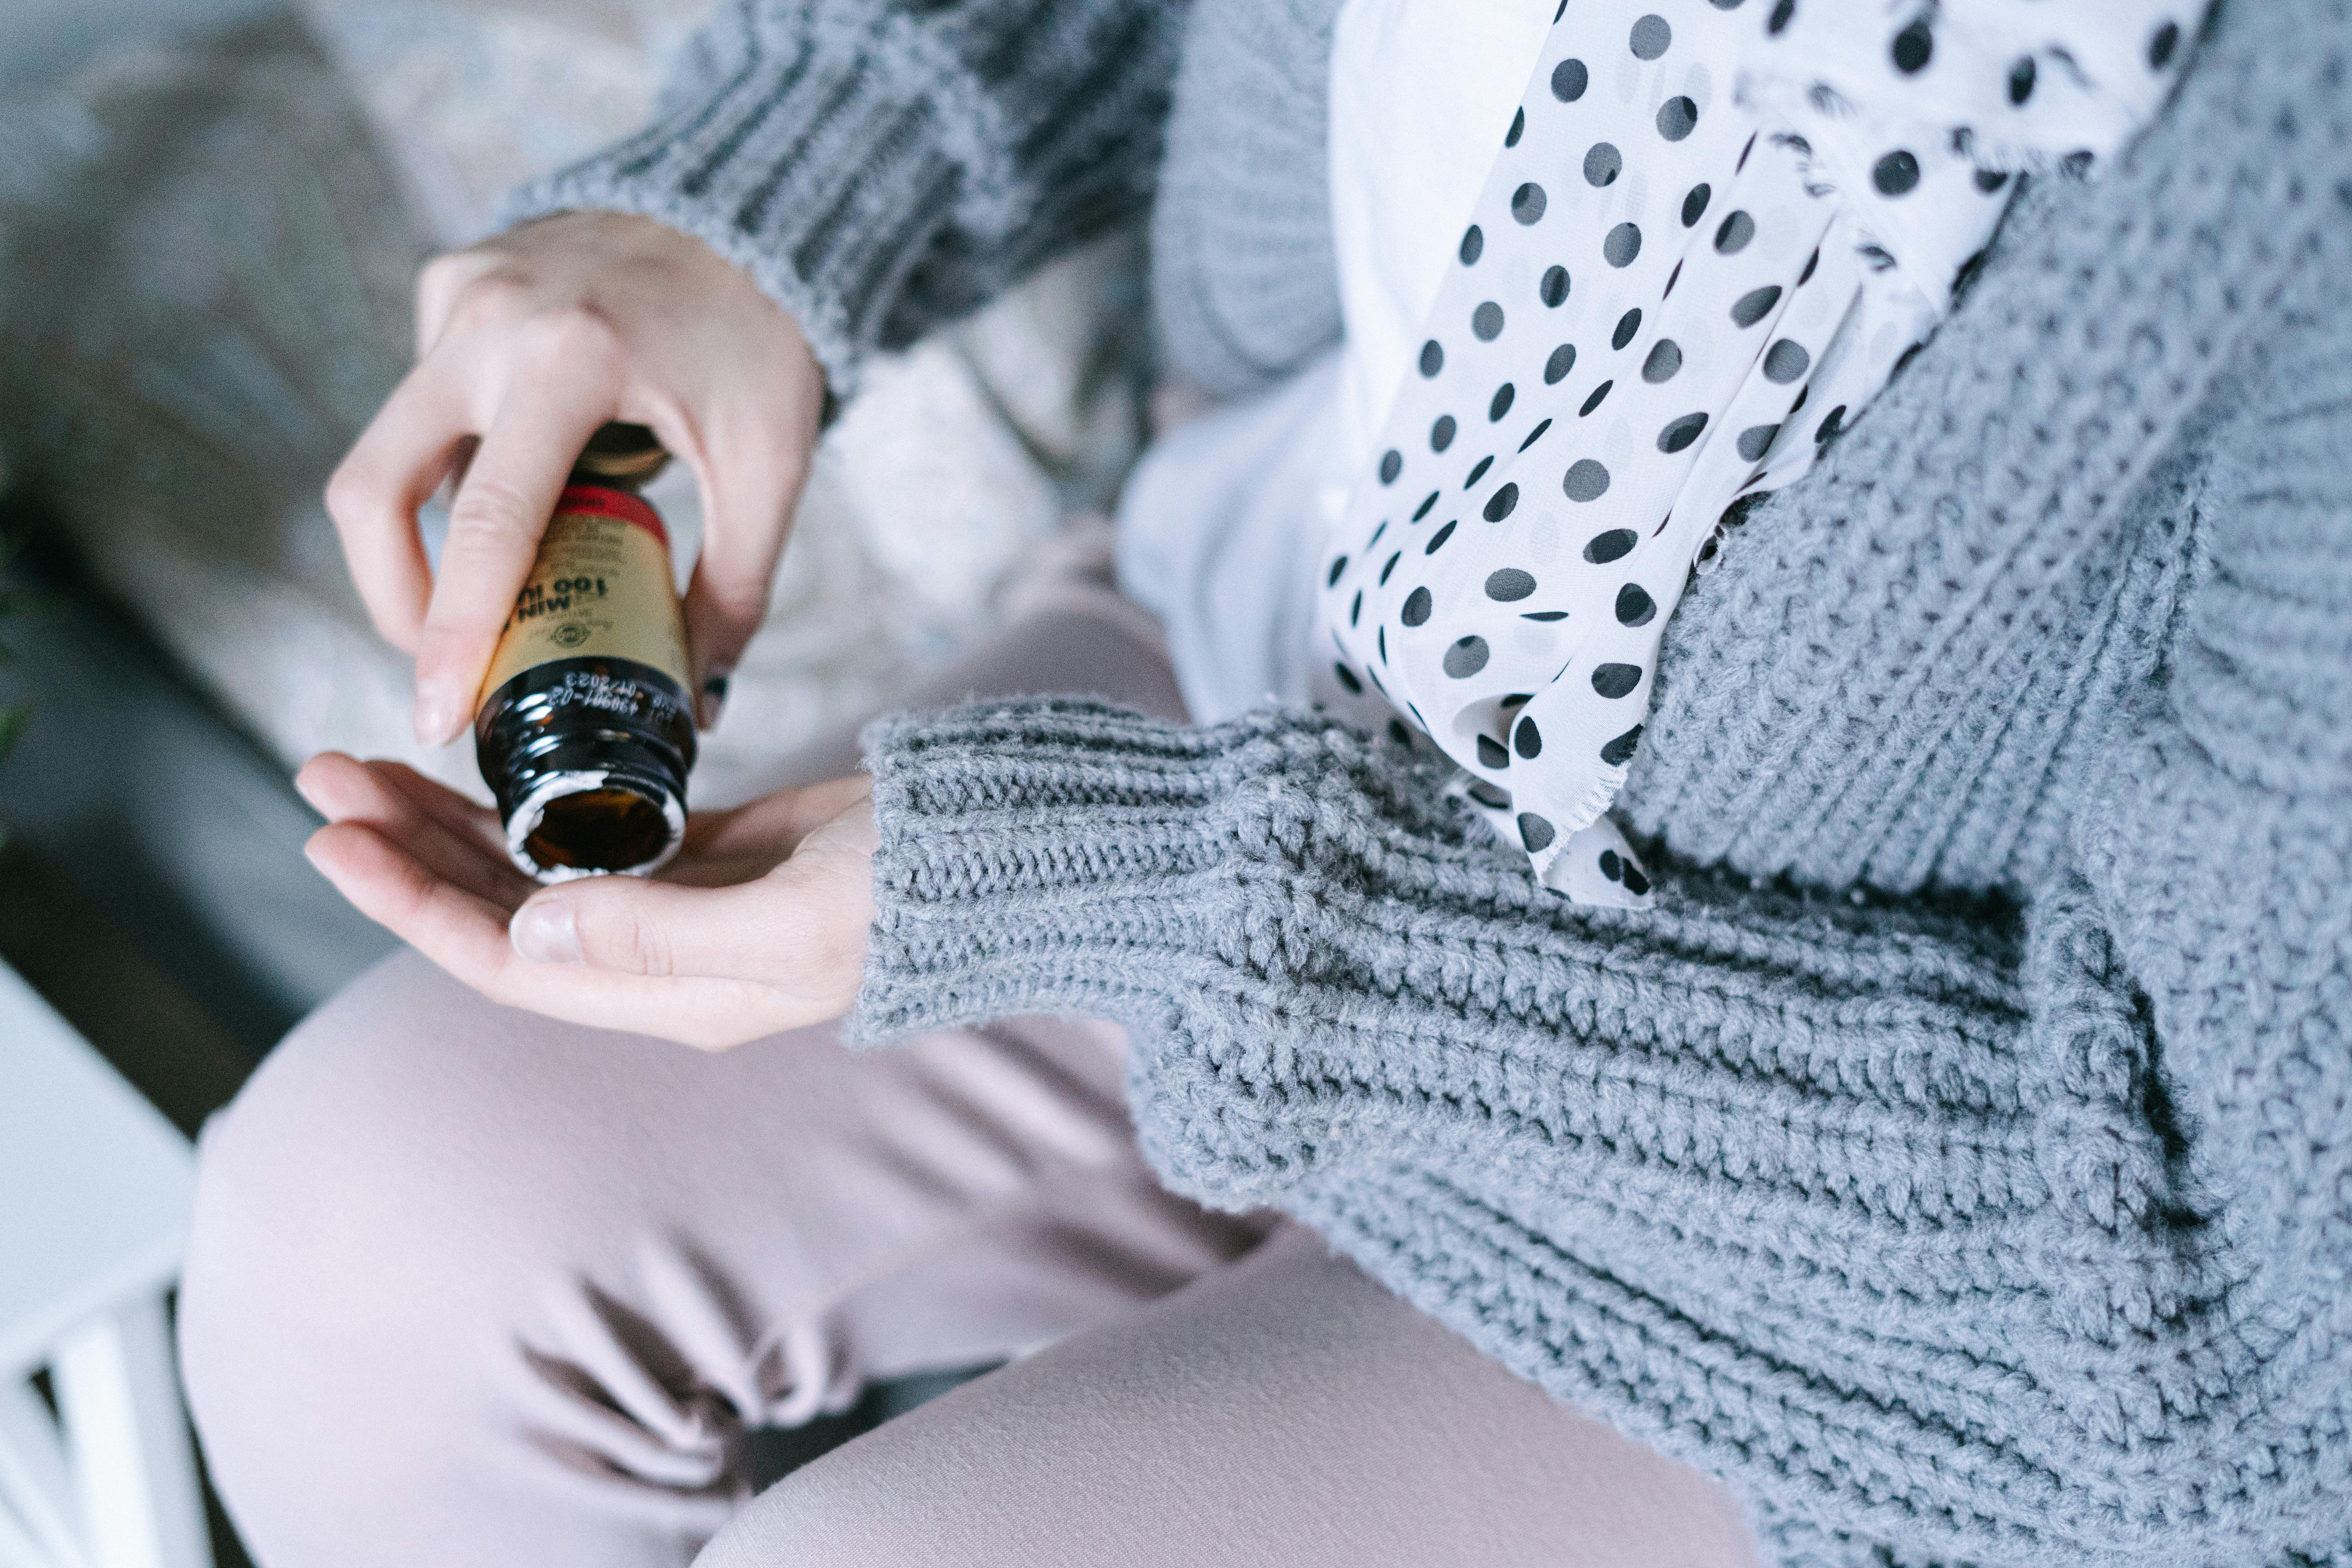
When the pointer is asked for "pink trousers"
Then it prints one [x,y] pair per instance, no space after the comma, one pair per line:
[470,1289]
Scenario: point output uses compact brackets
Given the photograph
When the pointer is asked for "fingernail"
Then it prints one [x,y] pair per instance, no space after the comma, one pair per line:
[544,931]
[440,713]
[714,697]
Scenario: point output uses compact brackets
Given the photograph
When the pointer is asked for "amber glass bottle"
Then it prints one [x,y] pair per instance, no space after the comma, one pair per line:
[584,733]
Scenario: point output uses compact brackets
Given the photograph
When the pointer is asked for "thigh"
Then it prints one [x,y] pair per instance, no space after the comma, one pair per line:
[1284,1410]
[469,1285]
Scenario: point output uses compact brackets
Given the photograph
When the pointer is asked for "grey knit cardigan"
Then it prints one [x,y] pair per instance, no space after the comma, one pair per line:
[1958,1160]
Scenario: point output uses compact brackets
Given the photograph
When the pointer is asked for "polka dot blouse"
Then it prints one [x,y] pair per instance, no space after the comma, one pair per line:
[1712,233]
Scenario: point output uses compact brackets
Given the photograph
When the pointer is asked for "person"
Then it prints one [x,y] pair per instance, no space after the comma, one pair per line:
[1845,1064]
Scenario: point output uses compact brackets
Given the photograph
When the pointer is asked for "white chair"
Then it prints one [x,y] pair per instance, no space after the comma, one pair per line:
[94,1193]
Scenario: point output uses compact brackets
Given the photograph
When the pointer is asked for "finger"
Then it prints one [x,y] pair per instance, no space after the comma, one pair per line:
[462,932]
[494,526]
[390,794]
[472,831]
[475,824]
[750,472]
[399,461]
[439,283]
[343,790]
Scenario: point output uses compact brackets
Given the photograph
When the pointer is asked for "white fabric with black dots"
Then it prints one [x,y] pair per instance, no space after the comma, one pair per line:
[1714,229]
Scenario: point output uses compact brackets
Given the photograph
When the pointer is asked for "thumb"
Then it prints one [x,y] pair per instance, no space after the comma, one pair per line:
[800,928]
[636,927]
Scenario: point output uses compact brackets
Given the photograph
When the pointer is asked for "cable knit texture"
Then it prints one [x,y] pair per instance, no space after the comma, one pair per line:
[1958,1160]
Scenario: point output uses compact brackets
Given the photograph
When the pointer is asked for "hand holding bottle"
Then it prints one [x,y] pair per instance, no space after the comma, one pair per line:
[526,344]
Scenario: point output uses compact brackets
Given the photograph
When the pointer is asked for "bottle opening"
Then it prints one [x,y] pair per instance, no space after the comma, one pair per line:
[606,829]
[595,822]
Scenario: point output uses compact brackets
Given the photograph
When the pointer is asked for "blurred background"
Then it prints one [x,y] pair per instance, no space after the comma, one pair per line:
[211,212]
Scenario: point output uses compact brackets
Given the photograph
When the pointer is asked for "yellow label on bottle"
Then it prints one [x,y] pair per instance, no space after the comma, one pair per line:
[600,589]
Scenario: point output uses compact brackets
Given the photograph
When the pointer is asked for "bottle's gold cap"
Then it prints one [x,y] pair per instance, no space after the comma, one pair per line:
[624,452]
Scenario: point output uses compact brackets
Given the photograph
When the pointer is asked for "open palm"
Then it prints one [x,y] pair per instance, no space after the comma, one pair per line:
[758,925]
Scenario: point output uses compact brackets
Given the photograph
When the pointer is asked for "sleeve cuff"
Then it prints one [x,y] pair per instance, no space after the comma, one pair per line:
[808,166]
[1044,857]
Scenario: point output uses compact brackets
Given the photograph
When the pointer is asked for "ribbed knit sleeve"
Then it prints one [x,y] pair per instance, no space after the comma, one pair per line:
[1879,1213]
[879,167]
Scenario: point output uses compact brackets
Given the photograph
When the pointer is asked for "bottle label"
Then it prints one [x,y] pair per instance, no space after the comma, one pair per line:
[600,589]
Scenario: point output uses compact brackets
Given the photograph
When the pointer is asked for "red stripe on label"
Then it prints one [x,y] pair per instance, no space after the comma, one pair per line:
[600,500]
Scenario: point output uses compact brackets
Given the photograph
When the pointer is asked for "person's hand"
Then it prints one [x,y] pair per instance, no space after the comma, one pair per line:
[758,925]
[525,344]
